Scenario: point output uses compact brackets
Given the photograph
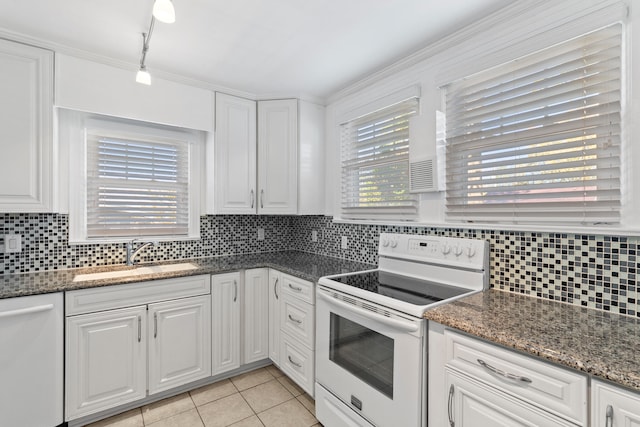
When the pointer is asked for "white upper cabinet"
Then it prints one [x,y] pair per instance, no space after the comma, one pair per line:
[235,155]
[278,156]
[268,157]
[26,132]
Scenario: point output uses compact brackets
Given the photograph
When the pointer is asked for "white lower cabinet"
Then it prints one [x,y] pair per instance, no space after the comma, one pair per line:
[475,383]
[275,280]
[120,355]
[256,315]
[225,319]
[475,404]
[613,406]
[179,342]
[106,363]
[293,300]
[298,362]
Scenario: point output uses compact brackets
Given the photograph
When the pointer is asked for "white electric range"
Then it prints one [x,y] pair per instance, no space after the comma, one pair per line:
[371,346]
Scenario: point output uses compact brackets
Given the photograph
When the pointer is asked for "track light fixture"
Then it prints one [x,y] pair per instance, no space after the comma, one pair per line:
[163,11]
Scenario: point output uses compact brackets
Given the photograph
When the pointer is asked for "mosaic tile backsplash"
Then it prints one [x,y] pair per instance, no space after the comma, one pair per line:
[588,270]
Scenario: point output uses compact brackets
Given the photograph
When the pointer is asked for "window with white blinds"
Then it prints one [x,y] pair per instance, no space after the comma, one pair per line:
[538,139]
[136,187]
[375,164]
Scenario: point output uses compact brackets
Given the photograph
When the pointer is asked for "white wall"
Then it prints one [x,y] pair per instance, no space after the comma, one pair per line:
[93,87]
[522,28]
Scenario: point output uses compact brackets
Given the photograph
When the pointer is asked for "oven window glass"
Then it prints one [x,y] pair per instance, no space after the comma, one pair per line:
[365,353]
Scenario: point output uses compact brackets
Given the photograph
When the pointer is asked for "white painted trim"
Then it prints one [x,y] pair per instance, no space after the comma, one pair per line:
[511,15]
[73,133]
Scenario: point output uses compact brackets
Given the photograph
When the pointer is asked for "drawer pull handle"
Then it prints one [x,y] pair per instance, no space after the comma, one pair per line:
[26,310]
[609,420]
[293,319]
[294,363]
[503,373]
[295,288]
[450,407]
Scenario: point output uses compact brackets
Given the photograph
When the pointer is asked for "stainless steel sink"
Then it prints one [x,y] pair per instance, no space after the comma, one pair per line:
[138,271]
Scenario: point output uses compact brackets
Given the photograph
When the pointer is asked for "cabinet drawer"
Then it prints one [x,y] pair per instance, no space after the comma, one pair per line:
[298,288]
[558,390]
[297,318]
[131,294]
[297,362]
[474,404]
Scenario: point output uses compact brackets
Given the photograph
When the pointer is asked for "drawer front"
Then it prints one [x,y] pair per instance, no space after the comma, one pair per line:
[297,362]
[131,294]
[297,318]
[559,390]
[298,288]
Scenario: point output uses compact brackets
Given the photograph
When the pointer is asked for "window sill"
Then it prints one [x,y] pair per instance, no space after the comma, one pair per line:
[538,228]
[116,240]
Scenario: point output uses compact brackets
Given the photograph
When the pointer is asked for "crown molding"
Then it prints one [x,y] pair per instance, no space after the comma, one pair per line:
[512,12]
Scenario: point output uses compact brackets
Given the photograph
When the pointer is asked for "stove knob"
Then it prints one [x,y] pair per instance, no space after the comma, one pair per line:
[446,249]
[394,243]
[385,243]
[457,251]
[471,251]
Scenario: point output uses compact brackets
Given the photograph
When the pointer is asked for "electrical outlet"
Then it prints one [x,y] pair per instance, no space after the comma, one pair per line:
[260,233]
[314,235]
[344,243]
[12,243]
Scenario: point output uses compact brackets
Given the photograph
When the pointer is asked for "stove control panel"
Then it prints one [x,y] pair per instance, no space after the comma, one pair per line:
[450,251]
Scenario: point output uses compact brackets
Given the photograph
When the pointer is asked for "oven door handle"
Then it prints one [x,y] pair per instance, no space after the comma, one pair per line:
[398,324]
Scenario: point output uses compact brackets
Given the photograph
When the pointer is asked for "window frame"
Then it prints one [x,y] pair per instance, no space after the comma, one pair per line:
[137,130]
[522,216]
[373,114]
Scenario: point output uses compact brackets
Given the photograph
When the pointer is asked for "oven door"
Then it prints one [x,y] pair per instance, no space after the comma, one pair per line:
[371,358]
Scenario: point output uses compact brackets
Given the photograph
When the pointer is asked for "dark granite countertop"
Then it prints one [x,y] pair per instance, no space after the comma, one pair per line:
[300,264]
[598,343]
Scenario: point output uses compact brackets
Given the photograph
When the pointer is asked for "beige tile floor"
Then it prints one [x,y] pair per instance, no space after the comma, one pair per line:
[264,397]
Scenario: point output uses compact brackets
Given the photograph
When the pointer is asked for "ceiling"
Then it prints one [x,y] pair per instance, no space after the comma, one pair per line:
[263,47]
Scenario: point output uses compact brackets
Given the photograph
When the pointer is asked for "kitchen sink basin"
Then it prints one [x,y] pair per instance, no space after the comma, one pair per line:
[138,271]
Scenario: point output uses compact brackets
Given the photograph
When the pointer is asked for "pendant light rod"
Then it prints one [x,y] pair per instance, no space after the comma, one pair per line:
[146,39]
[163,11]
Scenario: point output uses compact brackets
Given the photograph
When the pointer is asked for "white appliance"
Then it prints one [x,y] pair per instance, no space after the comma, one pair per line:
[371,345]
[31,361]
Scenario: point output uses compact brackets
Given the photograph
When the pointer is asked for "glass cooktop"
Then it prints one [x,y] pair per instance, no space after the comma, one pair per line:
[408,289]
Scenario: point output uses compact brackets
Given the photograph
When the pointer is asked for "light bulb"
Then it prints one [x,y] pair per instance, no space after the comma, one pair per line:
[143,76]
[164,12]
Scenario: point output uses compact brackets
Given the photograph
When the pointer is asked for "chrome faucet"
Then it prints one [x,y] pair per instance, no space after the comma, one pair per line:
[131,254]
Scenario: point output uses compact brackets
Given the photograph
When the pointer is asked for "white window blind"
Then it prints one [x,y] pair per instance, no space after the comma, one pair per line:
[136,188]
[538,139]
[375,164]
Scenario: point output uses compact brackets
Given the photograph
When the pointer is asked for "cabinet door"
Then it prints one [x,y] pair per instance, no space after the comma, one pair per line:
[256,314]
[278,156]
[26,132]
[179,342]
[106,360]
[235,155]
[225,319]
[613,406]
[473,404]
[275,280]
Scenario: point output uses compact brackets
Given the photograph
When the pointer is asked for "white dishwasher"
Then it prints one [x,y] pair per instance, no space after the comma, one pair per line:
[31,360]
